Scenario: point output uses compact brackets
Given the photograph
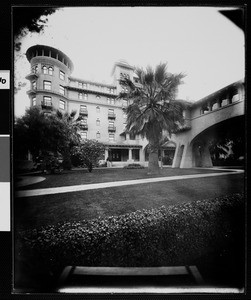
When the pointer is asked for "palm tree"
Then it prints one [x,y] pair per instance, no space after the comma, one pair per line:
[152,107]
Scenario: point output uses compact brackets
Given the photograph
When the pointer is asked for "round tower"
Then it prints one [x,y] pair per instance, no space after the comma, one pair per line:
[49,77]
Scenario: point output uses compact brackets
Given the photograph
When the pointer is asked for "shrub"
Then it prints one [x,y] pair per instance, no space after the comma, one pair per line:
[134,166]
[175,235]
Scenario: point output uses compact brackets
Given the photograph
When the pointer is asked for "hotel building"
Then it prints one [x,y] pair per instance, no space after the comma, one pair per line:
[103,118]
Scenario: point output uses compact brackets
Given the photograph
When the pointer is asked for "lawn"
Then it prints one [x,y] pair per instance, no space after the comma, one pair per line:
[82,176]
[34,212]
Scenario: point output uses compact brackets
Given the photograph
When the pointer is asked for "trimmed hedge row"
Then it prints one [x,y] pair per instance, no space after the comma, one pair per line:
[174,235]
[134,166]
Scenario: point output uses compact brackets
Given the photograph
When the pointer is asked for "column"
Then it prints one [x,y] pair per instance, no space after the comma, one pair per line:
[187,157]
[219,103]
[130,154]
[106,153]
[229,98]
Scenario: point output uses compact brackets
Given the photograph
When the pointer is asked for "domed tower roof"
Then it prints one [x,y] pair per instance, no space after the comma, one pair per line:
[42,50]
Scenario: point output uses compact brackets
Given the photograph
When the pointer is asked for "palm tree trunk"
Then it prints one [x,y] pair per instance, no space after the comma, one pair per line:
[153,164]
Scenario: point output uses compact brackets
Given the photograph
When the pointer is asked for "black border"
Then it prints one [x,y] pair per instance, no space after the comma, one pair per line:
[6,114]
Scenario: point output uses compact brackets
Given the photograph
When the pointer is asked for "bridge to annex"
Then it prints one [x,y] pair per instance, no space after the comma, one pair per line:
[192,143]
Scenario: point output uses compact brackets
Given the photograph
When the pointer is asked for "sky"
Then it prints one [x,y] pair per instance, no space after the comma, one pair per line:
[196,41]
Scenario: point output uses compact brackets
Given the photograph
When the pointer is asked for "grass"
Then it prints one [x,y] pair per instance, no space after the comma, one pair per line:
[107,175]
[34,212]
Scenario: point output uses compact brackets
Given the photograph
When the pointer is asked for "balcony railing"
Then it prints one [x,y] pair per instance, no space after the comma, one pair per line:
[83,113]
[46,105]
[84,126]
[112,128]
[111,116]
[32,76]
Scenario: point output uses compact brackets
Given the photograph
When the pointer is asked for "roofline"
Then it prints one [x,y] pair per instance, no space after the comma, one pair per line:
[28,53]
[92,82]
[241,81]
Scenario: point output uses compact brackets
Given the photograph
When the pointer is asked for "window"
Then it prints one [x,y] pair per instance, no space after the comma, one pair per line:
[132,136]
[111,123]
[61,104]
[83,108]
[34,69]
[80,96]
[98,122]
[45,70]
[98,97]
[61,75]
[83,121]
[110,111]
[84,85]
[80,85]
[34,101]
[47,85]
[110,101]
[47,101]
[98,109]
[98,135]
[111,136]
[61,90]
[34,85]
[85,96]
[50,70]
[83,135]
[124,125]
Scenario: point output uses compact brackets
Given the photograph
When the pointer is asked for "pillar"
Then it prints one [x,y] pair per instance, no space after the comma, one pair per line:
[187,157]
[219,101]
[106,153]
[206,160]
[130,154]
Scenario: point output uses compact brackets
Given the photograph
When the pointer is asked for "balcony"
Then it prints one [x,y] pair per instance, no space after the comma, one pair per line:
[83,113]
[32,91]
[46,105]
[32,76]
[84,126]
[111,128]
[111,116]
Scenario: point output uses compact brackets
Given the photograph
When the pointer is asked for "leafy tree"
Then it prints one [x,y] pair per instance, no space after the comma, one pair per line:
[40,133]
[72,137]
[29,19]
[152,107]
[88,153]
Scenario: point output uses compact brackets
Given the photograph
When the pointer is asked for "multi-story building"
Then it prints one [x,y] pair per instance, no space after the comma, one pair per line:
[103,118]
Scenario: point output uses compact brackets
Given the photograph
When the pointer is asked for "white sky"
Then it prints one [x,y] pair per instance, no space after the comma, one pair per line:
[197,41]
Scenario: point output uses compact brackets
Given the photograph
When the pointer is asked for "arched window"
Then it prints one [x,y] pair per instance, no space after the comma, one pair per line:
[97,109]
[45,70]
[50,70]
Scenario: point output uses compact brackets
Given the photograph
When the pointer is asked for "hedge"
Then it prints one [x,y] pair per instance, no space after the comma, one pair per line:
[174,235]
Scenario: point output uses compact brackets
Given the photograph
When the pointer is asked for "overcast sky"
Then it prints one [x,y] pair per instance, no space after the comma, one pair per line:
[197,41]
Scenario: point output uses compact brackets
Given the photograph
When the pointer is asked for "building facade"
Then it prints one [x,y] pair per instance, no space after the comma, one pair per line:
[53,86]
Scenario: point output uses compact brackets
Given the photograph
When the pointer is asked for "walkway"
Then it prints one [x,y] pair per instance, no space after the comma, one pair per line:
[85,187]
